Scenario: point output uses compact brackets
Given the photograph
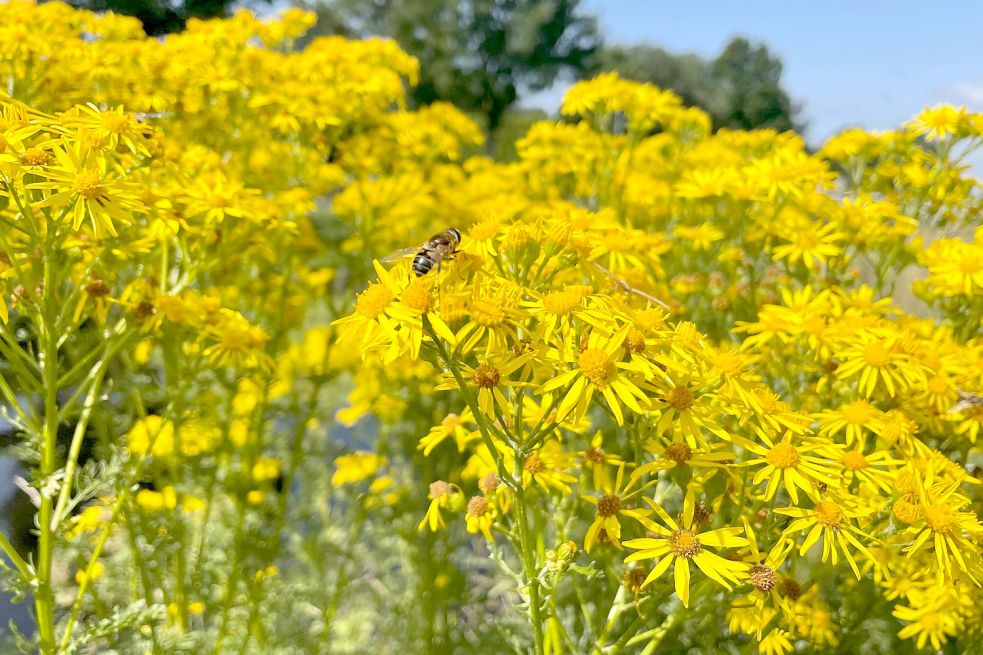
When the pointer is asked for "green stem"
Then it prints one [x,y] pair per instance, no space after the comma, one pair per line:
[77,437]
[472,402]
[44,600]
[527,552]
[514,480]
[15,558]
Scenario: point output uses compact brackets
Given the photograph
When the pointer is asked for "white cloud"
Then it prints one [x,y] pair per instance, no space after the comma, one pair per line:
[970,94]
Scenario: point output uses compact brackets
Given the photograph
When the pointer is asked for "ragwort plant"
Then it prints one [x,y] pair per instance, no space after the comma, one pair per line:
[232,452]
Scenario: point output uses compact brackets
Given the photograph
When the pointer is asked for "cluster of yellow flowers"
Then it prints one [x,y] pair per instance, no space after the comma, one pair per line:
[785,413]
[656,347]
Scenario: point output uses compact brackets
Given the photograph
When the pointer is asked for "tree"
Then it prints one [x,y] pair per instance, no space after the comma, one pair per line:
[479,54]
[160,16]
[740,89]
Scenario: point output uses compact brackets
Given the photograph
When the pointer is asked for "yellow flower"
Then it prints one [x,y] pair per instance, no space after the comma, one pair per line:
[877,356]
[156,501]
[955,267]
[933,617]
[491,377]
[794,463]
[830,519]
[598,368]
[94,573]
[680,543]
[546,467]
[812,243]
[353,468]
[679,453]
[597,460]
[86,185]
[266,468]
[561,309]
[776,642]
[441,496]
[686,413]
[947,530]
[852,419]
[151,434]
[763,577]
[609,507]
[873,471]
[939,122]
[480,516]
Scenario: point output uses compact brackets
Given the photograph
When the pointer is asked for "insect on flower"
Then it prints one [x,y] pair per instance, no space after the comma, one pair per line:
[627,288]
[966,401]
[431,253]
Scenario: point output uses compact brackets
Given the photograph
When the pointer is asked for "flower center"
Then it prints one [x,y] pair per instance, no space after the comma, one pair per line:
[635,341]
[115,122]
[88,183]
[790,589]
[486,376]
[487,312]
[806,241]
[783,455]
[96,288]
[940,517]
[876,355]
[829,514]
[417,296]
[729,364]
[489,483]
[561,303]
[595,365]
[762,577]
[373,301]
[679,452]
[439,489]
[477,506]
[854,460]
[594,455]
[680,399]
[650,319]
[534,463]
[608,505]
[857,413]
[35,157]
[684,543]
[770,402]
[938,385]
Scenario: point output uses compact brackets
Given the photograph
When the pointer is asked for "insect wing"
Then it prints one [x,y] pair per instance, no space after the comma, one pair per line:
[396,255]
[966,401]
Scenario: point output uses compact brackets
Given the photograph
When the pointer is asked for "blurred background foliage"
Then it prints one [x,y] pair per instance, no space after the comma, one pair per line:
[488,56]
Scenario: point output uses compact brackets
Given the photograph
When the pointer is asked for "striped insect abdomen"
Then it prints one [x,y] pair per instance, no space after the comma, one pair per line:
[422,263]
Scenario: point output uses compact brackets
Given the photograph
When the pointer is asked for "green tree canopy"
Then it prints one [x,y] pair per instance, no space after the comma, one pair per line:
[740,89]
[161,16]
[478,54]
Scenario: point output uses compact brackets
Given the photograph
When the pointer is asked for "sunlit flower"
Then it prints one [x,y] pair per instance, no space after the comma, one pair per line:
[795,463]
[680,543]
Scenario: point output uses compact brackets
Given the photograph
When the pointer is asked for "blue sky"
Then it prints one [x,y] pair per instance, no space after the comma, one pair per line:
[863,63]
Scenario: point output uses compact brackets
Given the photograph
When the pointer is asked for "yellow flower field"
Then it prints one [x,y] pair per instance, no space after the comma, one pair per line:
[672,390]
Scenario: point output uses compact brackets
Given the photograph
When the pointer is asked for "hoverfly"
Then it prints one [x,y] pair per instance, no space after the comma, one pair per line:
[966,401]
[431,253]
